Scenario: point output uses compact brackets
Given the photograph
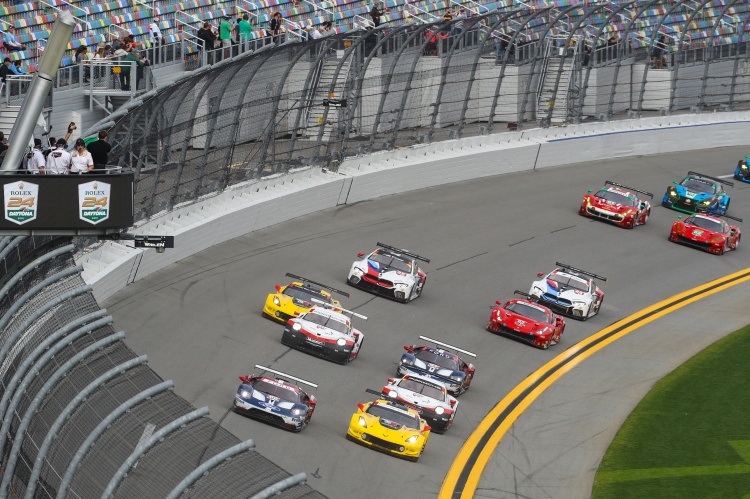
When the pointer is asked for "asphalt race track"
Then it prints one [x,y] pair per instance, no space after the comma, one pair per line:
[199,320]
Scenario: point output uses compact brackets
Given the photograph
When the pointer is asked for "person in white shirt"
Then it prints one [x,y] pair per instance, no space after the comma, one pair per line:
[81,160]
[58,161]
[35,159]
[154,33]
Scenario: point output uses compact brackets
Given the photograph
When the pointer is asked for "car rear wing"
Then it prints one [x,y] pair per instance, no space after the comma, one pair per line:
[324,286]
[285,375]
[607,182]
[335,308]
[568,267]
[721,181]
[404,252]
[387,399]
[730,217]
[525,295]
[450,347]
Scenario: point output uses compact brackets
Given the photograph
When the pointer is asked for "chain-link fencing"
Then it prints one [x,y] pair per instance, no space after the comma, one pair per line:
[77,403]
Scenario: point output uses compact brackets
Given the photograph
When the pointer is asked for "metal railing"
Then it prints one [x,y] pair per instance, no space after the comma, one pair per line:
[15,89]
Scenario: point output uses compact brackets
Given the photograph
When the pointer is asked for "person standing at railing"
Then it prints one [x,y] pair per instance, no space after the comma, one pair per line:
[327,29]
[5,70]
[154,33]
[16,68]
[375,14]
[99,150]
[245,30]
[11,41]
[225,35]
[275,27]
[128,61]
[460,20]
[81,160]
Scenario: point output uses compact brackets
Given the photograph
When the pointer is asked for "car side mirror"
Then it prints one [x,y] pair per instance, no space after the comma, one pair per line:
[278,288]
[499,302]
[675,182]
[391,380]
[361,255]
[589,191]
[244,379]
[361,407]
[409,348]
[453,402]
[643,204]
[540,274]
[427,428]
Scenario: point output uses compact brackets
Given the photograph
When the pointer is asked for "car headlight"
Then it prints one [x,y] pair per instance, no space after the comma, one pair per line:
[412,439]
[439,410]
[341,342]
[296,411]
[276,301]
[407,362]
[296,326]
[673,194]
[362,422]
[706,202]
[538,289]
[456,378]
[244,394]
[744,166]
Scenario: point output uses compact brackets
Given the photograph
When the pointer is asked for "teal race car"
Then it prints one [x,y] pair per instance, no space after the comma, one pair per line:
[698,192]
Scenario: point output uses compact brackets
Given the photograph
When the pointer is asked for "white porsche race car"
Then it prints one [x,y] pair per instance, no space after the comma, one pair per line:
[389,271]
[325,332]
[428,397]
[569,291]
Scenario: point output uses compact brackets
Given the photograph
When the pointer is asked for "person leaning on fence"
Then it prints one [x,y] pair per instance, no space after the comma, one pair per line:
[225,35]
[657,53]
[99,150]
[244,28]
[5,70]
[35,159]
[207,36]
[59,160]
[375,14]
[127,65]
[274,26]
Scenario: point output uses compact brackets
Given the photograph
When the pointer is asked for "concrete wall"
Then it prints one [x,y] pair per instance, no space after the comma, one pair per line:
[255,205]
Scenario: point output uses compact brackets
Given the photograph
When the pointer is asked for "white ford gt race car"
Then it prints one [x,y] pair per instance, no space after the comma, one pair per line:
[389,271]
[569,291]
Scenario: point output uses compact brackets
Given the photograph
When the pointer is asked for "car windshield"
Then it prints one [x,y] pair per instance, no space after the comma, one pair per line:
[533,313]
[328,322]
[275,390]
[693,184]
[616,197]
[706,223]
[402,418]
[436,358]
[569,282]
[305,294]
[417,386]
[391,261]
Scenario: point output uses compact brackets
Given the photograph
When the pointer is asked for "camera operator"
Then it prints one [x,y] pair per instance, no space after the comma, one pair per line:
[35,159]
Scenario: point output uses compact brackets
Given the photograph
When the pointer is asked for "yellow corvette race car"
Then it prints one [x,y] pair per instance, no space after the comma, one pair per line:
[390,427]
[297,298]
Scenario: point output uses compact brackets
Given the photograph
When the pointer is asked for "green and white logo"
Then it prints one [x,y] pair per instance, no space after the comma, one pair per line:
[93,202]
[21,202]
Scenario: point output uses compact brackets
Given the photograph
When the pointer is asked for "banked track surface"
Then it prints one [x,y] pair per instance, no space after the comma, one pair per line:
[199,320]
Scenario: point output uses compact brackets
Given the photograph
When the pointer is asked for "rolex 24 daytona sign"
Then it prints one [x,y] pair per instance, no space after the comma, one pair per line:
[93,202]
[21,202]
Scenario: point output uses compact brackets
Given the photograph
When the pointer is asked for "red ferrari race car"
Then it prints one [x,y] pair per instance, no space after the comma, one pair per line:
[526,320]
[618,204]
[707,232]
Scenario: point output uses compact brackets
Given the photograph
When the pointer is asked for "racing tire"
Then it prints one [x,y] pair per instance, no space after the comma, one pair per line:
[632,225]
[648,214]
[726,207]
[737,244]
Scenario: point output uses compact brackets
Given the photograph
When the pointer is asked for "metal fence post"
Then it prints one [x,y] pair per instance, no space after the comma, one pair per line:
[68,411]
[141,450]
[101,427]
[19,436]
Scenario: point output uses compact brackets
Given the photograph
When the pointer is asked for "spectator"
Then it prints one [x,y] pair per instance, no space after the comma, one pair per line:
[108,51]
[16,69]
[327,29]
[81,160]
[5,69]
[245,29]
[11,41]
[58,160]
[154,33]
[657,53]
[448,16]
[3,143]
[459,25]
[35,159]
[207,35]
[127,65]
[612,41]
[225,35]
[375,15]
[275,26]
[99,150]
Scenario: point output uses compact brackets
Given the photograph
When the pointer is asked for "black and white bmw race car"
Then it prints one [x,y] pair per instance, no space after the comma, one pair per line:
[569,291]
[428,397]
[275,400]
[325,332]
[389,271]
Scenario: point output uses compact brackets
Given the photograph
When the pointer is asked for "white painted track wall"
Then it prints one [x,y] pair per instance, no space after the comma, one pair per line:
[255,205]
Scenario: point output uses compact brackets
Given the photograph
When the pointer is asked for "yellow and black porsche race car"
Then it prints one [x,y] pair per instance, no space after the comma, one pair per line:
[297,298]
[390,427]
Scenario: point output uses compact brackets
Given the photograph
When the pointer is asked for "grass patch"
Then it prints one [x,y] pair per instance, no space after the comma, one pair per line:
[689,437]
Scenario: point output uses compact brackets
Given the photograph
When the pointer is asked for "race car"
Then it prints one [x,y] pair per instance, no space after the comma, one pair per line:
[325,332]
[526,320]
[439,365]
[275,400]
[698,192]
[707,232]
[569,291]
[296,298]
[618,204]
[389,427]
[390,272]
[429,398]
[742,172]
